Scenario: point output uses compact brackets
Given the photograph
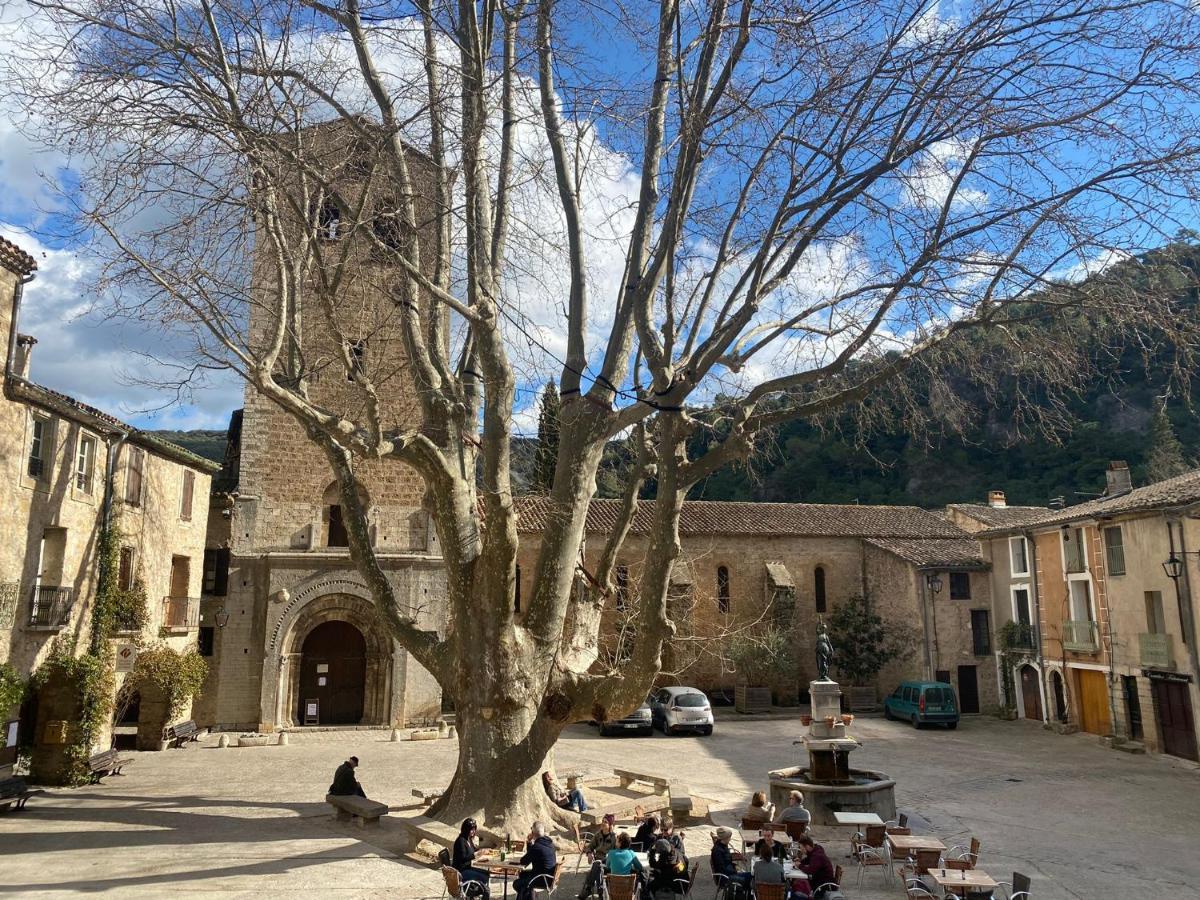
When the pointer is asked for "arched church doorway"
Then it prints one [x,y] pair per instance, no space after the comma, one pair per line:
[333,673]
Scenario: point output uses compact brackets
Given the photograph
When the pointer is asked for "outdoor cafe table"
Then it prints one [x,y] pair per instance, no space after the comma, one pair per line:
[495,867]
[857,818]
[962,881]
[750,836]
[911,843]
[790,872]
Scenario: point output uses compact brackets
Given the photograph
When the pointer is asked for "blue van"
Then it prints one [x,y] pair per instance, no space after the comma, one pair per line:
[923,703]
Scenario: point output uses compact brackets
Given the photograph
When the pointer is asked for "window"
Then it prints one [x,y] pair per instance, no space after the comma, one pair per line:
[622,587]
[390,231]
[358,359]
[125,570]
[981,632]
[337,528]
[1018,556]
[189,488]
[1073,550]
[85,462]
[329,221]
[960,585]
[204,640]
[1081,601]
[517,592]
[39,447]
[722,589]
[133,476]
[1155,623]
[1114,550]
[819,588]
[216,571]
[1021,611]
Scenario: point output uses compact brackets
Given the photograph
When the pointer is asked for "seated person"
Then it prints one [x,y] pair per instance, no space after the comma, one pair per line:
[540,857]
[344,782]
[815,864]
[572,799]
[759,810]
[646,834]
[623,861]
[597,848]
[665,866]
[676,840]
[795,811]
[773,847]
[464,853]
[766,869]
[722,862]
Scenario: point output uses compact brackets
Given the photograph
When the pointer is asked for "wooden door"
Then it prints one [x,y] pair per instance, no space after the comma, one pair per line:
[1174,708]
[1031,695]
[968,690]
[1092,690]
[333,671]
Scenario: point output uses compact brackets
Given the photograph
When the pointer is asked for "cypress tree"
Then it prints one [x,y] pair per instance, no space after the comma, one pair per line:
[1165,458]
[547,446]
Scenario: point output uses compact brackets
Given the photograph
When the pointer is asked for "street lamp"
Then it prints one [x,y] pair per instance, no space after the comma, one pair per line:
[934,582]
[221,617]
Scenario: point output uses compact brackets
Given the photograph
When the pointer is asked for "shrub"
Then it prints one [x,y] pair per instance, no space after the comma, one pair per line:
[178,676]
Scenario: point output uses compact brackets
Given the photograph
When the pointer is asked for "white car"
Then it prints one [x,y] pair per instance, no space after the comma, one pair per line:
[676,709]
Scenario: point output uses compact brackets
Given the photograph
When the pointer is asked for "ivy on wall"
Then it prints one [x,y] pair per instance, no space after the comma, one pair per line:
[177,676]
[88,678]
[12,692]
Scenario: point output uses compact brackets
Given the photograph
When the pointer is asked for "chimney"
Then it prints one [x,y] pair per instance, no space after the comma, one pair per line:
[996,499]
[1118,478]
[21,364]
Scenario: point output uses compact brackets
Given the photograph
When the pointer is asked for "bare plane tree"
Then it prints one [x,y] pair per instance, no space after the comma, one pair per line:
[821,202]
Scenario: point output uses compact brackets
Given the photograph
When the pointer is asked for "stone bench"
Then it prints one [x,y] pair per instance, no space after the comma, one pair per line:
[427,795]
[627,810]
[627,778]
[363,812]
[681,799]
[420,828]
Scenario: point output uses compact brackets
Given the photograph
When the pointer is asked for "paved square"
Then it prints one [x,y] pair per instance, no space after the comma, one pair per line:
[1083,821]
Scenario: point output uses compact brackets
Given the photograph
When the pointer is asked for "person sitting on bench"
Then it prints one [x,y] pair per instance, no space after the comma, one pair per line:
[344,782]
[572,799]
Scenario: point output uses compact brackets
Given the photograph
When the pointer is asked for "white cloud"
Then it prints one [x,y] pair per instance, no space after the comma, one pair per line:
[930,179]
[929,27]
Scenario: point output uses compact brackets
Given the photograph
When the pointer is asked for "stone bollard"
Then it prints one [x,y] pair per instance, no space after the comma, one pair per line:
[223,742]
[283,739]
[443,727]
[395,736]
[452,732]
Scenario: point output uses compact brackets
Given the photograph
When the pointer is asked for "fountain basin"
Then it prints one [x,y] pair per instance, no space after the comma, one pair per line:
[864,791]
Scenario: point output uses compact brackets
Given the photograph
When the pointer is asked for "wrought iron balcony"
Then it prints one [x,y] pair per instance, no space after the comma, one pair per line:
[1154,650]
[1020,637]
[50,606]
[1081,635]
[180,613]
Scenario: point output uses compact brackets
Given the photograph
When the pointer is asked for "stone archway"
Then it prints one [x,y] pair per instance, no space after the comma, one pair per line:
[377,656]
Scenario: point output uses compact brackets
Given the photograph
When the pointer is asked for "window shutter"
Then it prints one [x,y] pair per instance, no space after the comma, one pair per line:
[189,485]
[133,476]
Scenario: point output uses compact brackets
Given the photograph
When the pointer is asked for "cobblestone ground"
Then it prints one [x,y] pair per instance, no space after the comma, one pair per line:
[1083,821]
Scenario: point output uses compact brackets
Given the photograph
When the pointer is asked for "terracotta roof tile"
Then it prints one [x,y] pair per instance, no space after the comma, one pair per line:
[15,259]
[1000,516]
[1181,490]
[705,517]
[954,553]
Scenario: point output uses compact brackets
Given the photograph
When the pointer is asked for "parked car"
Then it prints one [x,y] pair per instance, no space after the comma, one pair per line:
[640,721]
[923,703]
[676,709]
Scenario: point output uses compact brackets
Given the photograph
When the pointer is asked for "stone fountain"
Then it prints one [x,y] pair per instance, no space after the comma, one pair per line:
[828,783]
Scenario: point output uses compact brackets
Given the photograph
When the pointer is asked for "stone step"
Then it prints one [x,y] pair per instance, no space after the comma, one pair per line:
[1130,747]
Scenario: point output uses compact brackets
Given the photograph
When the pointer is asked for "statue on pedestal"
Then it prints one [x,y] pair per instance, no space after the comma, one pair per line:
[824,653]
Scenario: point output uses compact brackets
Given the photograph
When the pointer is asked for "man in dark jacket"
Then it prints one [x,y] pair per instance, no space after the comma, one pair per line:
[815,864]
[344,782]
[722,860]
[540,858]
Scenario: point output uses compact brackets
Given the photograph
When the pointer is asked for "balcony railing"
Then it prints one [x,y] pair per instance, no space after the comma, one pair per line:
[1154,650]
[50,606]
[1019,637]
[180,613]
[1082,635]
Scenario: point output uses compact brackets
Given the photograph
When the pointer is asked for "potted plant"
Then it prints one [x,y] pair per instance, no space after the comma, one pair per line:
[864,646]
[752,693]
[805,719]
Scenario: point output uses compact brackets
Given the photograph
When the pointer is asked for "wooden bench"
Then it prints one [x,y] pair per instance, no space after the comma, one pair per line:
[109,762]
[427,795]
[13,790]
[351,807]
[181,733]
[628,778]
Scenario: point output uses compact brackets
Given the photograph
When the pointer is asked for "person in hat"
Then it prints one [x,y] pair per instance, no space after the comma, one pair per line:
[665,866]
[722,859]
[597,848]
[344,782]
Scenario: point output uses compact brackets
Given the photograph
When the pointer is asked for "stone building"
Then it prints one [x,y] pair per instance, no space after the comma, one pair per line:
[296,637]
[65,465]
[1107,586]
[742,564]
